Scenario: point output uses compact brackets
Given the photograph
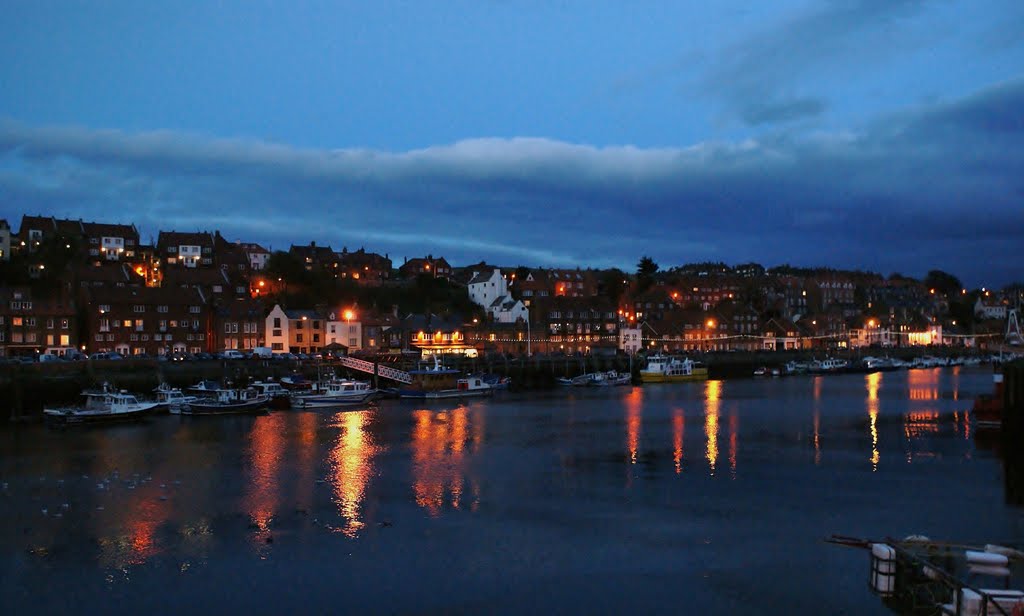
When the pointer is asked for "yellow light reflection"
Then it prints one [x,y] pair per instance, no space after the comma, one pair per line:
[923,384]
[441,443]
[634,402]
[352,462]
[873,380]
[712,394]
[265,448]
[678,428]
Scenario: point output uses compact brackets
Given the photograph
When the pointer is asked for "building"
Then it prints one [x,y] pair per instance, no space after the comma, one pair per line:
[30,324]
[5,240]
[185,250]
[366,268]
[430,266]
[239,324]
[295,331]
[97,241]
[257,255]
[489,289]
[344,328]
[150,320]
[315,258]
[988,308]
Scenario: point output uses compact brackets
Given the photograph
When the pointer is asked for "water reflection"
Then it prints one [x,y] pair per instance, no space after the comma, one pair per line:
[351,462]
[678,431]
[712,402]
[265,448]
[634,418]
[817,420]
[872,381]
[923,384]
[441,445]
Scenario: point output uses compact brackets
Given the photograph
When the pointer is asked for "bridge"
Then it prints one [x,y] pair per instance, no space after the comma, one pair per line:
[376,369]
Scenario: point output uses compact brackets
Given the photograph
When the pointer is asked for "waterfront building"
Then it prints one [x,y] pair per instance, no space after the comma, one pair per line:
[239,323]
[344,328]
[431,334]
[31,324]
[135,320]
[295,331]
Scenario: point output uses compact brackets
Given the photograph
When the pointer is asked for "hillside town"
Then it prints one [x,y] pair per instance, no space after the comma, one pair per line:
[72,289]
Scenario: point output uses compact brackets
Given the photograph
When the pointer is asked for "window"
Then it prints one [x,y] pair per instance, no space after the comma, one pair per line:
[316,337]
[137,308]
[277,323]
[163,326]
[316,324]
[49,323]
[99,337]
[195,324]
[298,337]
[49,340]
[104,325]
[17,321]
[30,337]
[173,324]
[277,346]
[30,321]
[16,337]
[63,323]
[193,309]
[127,322]
[104,308]
[161,309]
[138,325]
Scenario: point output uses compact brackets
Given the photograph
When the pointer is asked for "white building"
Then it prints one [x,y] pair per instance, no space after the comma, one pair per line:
[990,309]
[347,332]
[630,339]
[490,290]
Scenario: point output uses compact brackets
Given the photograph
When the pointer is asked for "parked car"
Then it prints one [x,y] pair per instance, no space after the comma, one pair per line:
[232,354]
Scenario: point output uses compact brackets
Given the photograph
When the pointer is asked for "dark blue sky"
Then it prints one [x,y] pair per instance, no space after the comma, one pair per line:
[873,134]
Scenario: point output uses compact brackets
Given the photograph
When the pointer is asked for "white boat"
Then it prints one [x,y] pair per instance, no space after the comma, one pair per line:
[830,364]
[435,382]
[338,392]
[610,378]
[103,405]
[171,399]
[280,398]
[228,401]
[664,369]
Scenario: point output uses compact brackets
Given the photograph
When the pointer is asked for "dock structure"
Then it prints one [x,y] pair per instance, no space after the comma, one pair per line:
[376,369]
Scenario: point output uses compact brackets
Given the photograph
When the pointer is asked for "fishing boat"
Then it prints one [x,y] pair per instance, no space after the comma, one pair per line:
[611,378]
[102,405]
[171,399]
[336,392]
[228,401]
[434,381]
[280,398]
[664,369]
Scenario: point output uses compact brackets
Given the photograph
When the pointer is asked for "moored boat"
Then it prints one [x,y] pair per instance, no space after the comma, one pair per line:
[435,382]
[664,369]
[280,398]
[336,392]
[103,405]
[170,399]
[229,401]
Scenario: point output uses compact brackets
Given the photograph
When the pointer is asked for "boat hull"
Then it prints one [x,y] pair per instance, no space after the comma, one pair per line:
[252,407]
[312,402]
[441,394]
[655,377]
[72,417]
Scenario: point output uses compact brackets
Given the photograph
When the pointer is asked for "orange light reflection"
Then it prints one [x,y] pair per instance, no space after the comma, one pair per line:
[712,394]
[873,380]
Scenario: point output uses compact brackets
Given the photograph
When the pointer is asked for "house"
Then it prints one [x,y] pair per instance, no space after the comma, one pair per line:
[366,268]
[431,335]
[782,335]
[185,250]
[151,320]
[239,323]
[31,324]
[98,241]
[630,339]
[5,240]
[572,324]
[430,266]
[988,308]
[295,331]
[257,255]
[490,290]
[344,328]
[313,257]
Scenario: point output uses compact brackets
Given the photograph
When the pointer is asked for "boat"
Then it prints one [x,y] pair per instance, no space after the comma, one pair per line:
[877,364]
[102,405]
[435,382]
[921,576]
[611,378]
[664,369]
[280,398]
[296,382]
[228,401]
[988,408]
[830,364]
[336,392]
[761,371]
[170,399]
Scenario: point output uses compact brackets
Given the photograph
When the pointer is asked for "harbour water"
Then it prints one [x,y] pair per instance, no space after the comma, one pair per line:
[696,498]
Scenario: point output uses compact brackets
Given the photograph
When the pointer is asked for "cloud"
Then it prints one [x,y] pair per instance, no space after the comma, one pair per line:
[932,187]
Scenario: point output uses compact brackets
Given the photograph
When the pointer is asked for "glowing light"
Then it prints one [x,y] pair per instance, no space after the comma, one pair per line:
[872,381]
[352,461]
[349,315]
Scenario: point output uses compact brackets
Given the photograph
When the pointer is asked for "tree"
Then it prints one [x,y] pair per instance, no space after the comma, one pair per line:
[645,270]
[944,283]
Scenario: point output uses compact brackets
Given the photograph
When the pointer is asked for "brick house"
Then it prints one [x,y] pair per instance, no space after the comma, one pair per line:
[437,267]
[31,324]
[151,320]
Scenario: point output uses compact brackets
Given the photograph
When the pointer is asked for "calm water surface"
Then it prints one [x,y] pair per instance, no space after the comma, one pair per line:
[702,498]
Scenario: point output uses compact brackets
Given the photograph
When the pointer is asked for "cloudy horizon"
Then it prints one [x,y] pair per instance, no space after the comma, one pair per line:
[881,136]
